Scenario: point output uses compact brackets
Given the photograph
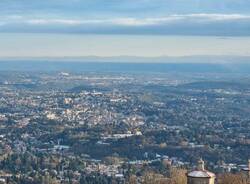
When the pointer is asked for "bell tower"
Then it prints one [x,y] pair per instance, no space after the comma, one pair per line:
[201,165]
[200,175]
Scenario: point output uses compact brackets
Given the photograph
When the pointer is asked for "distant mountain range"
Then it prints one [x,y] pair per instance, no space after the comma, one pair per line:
[216,64]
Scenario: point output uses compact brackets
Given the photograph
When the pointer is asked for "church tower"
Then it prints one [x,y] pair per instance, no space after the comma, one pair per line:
[200,175]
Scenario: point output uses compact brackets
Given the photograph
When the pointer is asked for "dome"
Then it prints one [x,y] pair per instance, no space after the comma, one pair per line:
[201,174]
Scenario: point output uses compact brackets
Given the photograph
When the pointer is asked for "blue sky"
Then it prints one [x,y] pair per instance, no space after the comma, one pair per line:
[164,17]
[145,18]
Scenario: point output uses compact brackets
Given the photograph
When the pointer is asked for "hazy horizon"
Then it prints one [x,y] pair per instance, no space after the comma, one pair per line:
[111,28]
[77,45]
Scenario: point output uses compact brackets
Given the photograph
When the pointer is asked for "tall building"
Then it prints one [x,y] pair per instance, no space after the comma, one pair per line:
[200,175]
[246,171]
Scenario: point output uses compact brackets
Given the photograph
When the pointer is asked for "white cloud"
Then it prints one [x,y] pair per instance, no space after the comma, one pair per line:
[194,24]
[216,17]
[53,21]
[143,21]
[116,21]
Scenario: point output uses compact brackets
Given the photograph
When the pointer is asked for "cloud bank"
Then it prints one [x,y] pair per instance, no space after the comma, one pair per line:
[175,24]
[156,17]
